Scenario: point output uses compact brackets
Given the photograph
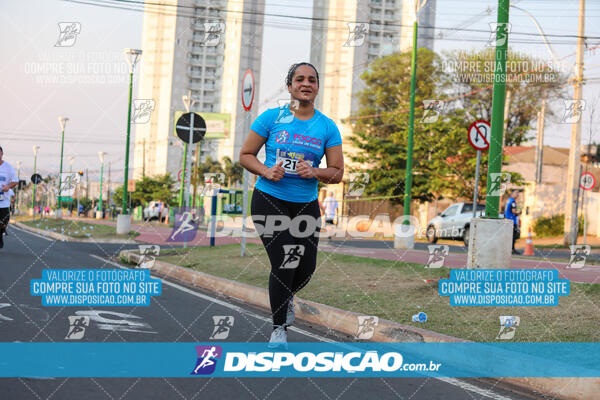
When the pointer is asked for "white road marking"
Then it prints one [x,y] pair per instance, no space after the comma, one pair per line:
[474,389]
[32,233]
[2,317]
[451,381]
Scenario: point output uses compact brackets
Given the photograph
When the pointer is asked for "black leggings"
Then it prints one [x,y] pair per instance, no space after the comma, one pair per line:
[4,218]
[285,282]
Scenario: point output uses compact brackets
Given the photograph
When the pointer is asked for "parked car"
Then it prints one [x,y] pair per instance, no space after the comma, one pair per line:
[155,210]
[453,223]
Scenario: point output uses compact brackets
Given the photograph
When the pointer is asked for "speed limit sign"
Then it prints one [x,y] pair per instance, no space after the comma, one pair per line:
[587,181]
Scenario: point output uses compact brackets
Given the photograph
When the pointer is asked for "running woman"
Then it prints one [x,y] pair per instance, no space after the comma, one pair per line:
[8,180]
[295,141]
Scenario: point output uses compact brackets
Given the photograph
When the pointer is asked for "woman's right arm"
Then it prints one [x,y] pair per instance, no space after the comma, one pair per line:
[249,161]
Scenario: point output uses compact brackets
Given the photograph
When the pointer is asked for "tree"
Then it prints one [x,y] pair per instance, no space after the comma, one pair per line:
[529,80]
[208,166]
[443,160]
[234,171]
[150,189]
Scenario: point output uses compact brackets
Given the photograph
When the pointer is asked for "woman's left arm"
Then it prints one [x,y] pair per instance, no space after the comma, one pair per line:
[335,167]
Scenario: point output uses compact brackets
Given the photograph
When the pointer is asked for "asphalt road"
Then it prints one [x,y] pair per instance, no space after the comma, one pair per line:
[178,315]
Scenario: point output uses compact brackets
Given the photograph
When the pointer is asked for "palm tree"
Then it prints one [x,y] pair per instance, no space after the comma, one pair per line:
[233,170]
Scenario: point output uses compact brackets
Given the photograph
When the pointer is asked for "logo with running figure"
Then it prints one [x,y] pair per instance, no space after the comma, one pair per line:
[291,256]
[77,327]
[223,324]
[579,254]
[437,255]
[68,34]
[207,359]
[366,326]
[282,137]
[185,226]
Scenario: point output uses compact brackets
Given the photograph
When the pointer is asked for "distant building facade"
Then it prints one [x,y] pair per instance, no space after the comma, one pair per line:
[203,48]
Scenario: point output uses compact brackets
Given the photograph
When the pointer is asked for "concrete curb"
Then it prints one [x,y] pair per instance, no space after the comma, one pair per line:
[65,238]
[346,322]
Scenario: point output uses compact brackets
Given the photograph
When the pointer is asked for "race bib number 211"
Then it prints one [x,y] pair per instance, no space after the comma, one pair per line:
[291,159]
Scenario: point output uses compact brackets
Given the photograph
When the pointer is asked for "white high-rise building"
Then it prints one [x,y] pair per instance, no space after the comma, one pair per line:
[381,27]
[203,47]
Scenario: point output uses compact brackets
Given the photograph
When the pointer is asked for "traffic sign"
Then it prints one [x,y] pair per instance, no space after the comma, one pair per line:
[248,90]
[131,186]
[36,179]
[587,181]
[65,199]
[183,127]
[479,135]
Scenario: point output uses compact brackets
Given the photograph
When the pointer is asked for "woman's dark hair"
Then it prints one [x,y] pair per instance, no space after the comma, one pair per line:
[292,71]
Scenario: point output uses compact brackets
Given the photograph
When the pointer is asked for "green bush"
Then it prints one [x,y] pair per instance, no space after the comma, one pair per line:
[553,226]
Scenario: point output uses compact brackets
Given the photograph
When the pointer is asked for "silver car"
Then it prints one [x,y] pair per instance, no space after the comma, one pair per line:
[453,223]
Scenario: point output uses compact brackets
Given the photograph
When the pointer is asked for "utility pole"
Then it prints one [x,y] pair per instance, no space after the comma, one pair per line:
[506,112]
[492,204]
[573,174]
[195,174]
[108,188]
[144,160]
[35,152]
[63,122]
[87,184]
[539,153]
[100,214]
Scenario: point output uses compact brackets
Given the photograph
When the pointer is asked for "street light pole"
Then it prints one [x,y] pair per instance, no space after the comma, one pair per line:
[63,122]
[101,155]
[124,221]
[409,244]
[71,160]
[35,151]
[492,203]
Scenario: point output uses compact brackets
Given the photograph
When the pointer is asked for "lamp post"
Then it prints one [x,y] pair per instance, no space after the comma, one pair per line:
[63,122]
[71,160]
[35,151]
[101,154]
[408,241]
[123,220]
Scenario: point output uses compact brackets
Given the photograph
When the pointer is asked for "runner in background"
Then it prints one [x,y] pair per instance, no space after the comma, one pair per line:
[330,207]
[296,137]
[511,212]
[8,180]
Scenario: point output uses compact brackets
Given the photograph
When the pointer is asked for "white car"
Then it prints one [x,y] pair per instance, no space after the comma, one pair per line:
[453,223]
[155,210]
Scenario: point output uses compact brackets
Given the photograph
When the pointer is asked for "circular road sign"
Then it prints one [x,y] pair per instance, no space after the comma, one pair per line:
[248,90]
[479,135]
[587,181]
[183,127]
[36,179]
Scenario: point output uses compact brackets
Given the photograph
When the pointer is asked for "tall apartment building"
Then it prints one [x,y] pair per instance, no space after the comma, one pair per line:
[203,47]
[341,57]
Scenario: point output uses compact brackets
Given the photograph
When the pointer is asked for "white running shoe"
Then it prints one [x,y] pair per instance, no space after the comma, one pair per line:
[278,338]
[291,313]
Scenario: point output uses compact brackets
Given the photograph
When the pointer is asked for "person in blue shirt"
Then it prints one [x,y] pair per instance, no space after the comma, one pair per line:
[284,207]
[511,212]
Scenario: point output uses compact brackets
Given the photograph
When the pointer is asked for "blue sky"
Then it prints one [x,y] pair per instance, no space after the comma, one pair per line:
[31,103]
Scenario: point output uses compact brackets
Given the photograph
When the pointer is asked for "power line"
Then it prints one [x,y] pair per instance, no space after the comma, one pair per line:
[135,6]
